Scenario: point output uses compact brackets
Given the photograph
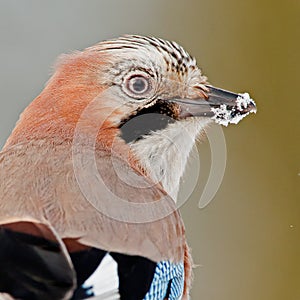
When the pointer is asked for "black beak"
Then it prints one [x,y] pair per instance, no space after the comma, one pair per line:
[222,106]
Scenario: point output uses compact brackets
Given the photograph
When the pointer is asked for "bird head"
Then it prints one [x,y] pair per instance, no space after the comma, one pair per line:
[154,76]
[144,92]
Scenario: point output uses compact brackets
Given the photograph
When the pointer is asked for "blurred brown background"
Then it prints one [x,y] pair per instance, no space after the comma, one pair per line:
[247,241]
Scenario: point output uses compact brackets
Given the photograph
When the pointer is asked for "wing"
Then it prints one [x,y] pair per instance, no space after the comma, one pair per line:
[34,262]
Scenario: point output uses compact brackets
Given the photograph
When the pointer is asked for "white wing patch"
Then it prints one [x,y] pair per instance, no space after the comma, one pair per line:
[105,280]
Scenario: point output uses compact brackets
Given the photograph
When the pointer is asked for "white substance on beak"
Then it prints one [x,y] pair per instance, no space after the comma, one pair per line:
[226,114]
[242,101]
[222,115]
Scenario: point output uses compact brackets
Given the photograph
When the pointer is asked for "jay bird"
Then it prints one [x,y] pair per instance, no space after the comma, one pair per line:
[91,172]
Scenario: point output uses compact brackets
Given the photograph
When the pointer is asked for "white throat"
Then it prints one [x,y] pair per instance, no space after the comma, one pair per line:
[164,153]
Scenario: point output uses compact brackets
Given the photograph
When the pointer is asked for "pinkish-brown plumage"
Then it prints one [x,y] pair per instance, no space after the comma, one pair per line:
[69,173]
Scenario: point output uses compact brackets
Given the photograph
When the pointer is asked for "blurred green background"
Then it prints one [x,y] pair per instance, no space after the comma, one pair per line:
[247,241]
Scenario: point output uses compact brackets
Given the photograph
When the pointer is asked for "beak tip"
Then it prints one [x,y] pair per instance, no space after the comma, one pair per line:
[242,106]
[244,101]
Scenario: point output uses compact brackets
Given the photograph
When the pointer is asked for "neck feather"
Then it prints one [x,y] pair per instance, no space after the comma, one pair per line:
[164,154]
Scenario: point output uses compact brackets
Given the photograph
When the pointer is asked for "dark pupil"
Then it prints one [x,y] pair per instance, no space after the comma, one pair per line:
[139,85]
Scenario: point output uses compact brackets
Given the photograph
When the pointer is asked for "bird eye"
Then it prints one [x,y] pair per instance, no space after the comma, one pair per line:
[138,86]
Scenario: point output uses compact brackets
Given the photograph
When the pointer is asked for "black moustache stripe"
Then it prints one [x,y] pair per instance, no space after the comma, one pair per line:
[146,121]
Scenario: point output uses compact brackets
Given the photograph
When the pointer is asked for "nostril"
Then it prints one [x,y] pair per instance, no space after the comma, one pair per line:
[197,92]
